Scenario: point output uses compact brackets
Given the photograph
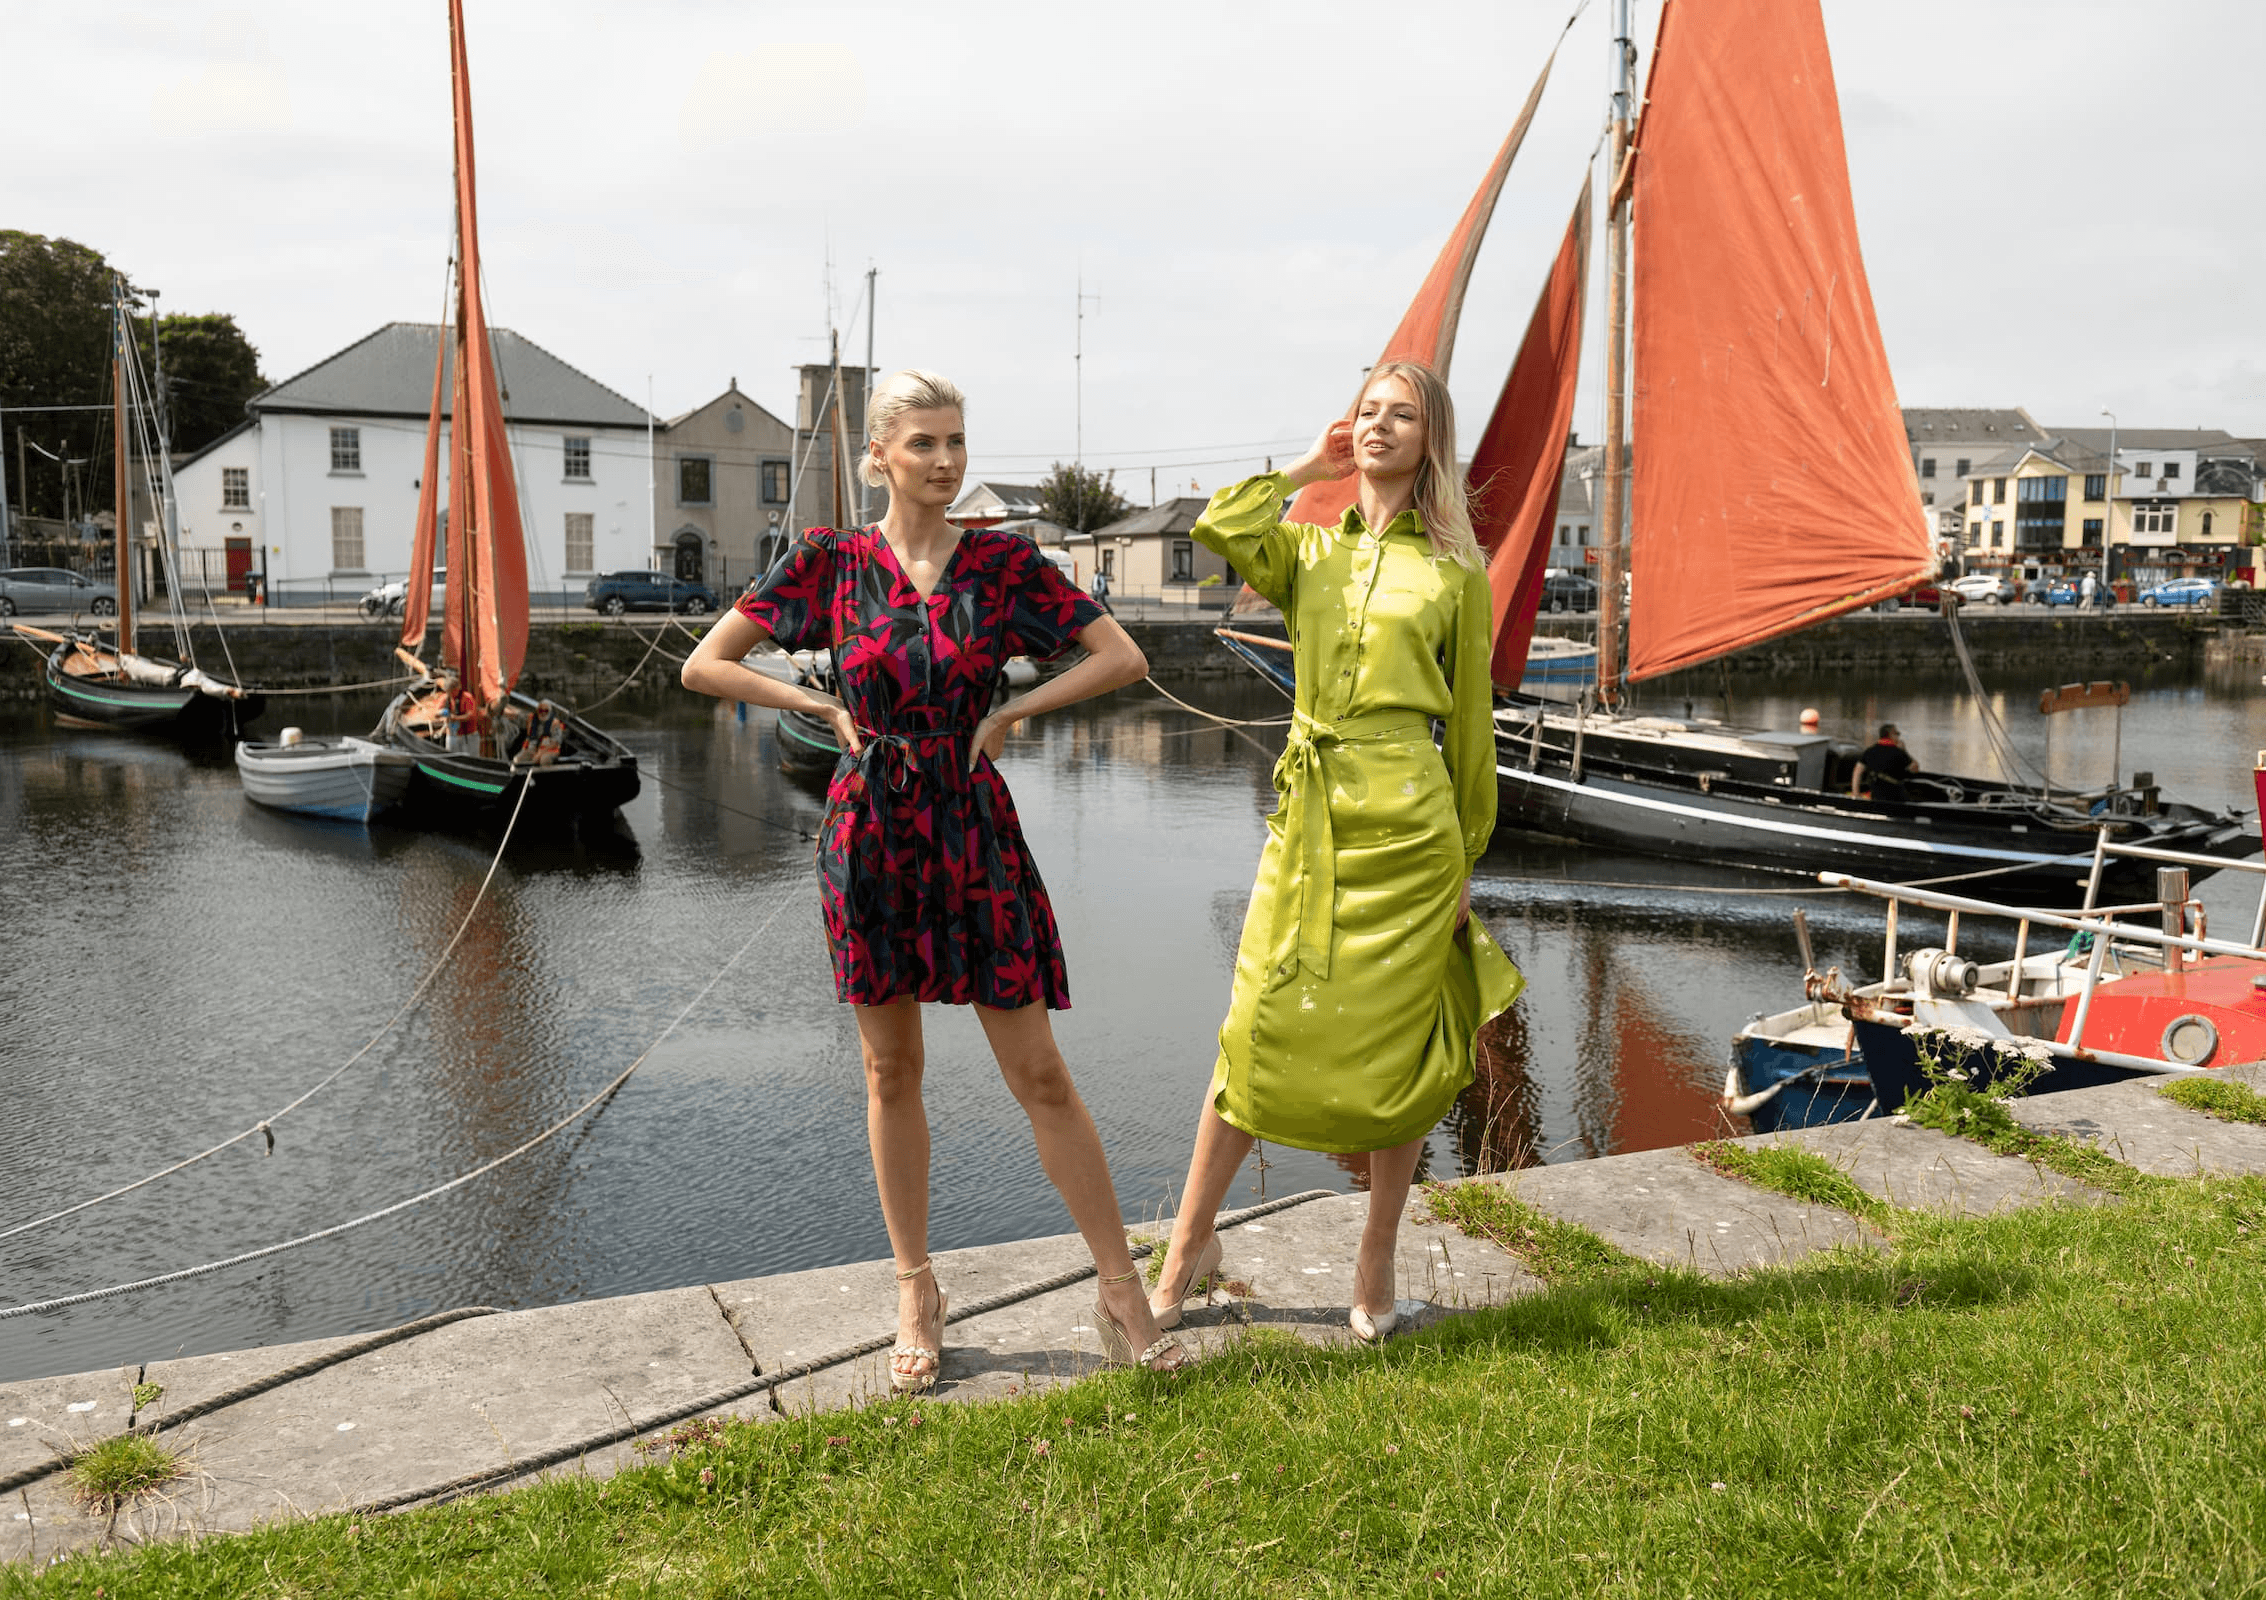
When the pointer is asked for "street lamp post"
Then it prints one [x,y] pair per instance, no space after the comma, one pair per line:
[2109,511]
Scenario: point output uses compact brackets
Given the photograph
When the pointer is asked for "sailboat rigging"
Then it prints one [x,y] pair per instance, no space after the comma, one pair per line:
[476,740]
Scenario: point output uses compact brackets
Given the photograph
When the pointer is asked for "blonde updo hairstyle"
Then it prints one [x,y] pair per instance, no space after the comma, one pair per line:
[1440,497]
[900,392]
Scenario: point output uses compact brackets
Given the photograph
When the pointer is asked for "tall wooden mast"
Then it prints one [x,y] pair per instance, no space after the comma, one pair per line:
[1613,558]
[123,543]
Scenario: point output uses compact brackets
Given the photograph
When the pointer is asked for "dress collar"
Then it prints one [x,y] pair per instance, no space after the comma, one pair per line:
[1355,527]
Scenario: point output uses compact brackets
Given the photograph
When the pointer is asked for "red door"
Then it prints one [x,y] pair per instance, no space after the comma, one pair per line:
[239,563]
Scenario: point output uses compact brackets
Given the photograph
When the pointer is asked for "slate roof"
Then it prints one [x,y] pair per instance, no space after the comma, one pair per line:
[1015,499]
[2214,441]
[1925,425]
[390,374]
[1172,516]
[207,449]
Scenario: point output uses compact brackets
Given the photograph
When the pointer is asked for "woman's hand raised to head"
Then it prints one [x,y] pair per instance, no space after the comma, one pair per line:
[1330,459]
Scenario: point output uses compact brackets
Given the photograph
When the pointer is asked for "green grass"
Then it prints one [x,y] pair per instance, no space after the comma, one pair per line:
[1967,1113]
[119,1470]
[1554,1251]
[2057,1401]
[1798,1174]
[2223,1098]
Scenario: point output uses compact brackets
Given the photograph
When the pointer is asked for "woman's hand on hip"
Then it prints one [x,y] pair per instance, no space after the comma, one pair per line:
[989,739]
[845,727]
[1330,459]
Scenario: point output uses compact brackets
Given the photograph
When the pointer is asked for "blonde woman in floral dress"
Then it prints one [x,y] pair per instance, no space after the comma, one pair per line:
[1362,978]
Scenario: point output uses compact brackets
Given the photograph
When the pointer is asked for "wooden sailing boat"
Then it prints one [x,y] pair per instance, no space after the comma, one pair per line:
[96,685]
[477,742]
[1775,488]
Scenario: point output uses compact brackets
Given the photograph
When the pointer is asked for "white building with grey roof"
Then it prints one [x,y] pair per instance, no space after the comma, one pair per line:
[322,478]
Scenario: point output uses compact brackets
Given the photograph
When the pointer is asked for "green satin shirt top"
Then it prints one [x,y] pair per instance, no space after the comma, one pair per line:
[1377,622]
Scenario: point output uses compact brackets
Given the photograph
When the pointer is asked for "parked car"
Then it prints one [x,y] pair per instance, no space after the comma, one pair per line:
[1985,588]
[2181,592]
[391,599]
[1569,591]
[35,589]
[2060,593]
[613,593]
[1926,594]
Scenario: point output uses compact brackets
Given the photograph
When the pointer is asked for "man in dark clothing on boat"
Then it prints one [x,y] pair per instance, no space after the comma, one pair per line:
[1884,766]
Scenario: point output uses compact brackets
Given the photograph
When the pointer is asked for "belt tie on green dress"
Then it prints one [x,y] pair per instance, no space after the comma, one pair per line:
[1308,841]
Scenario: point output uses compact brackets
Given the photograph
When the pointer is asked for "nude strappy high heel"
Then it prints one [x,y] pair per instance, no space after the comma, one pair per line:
[1117,1344]
[920,1382]
[1207,1266]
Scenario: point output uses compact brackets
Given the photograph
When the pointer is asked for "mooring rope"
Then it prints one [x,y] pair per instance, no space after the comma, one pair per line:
[651,646]
[246,1391]
[344,688]
[492,1477]
[266,1124]
[61,1302]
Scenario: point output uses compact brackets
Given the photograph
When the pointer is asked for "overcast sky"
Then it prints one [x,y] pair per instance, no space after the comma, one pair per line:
[2058,198]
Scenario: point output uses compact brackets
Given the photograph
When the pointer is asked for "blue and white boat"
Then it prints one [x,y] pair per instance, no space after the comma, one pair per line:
[347,779]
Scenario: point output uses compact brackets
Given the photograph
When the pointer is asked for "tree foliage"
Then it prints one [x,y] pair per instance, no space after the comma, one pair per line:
[1079,498]
[55,329]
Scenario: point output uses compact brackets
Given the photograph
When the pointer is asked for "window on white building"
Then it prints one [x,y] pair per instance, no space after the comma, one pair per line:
[235,488]
[1183,561]
[777,478]
[578,459]
[2171,469]
[346,449]
[1927,466]
[581,536]
[346,539]
[2155,516]
[1964,464]
[2143,469]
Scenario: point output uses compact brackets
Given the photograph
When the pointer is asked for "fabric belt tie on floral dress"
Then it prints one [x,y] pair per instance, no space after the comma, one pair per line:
[890,764]
[1309,845]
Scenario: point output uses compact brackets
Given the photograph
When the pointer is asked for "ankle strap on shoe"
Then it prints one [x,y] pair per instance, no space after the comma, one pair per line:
[1127,1276]
[914,1272]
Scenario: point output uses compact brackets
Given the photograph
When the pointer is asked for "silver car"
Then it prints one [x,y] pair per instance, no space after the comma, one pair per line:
[30,590]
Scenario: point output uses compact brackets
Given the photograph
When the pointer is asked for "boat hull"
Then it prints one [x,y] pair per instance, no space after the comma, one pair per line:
[145,708]
[593,776]
[1815,1084]
[345,780]
[807,746]
[1893,1063]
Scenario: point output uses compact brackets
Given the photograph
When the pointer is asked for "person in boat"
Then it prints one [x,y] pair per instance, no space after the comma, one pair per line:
[1883,767]
[1362,978]
[929,892]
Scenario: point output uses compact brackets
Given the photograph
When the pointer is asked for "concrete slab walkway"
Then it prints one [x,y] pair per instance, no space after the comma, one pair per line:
[486,1393]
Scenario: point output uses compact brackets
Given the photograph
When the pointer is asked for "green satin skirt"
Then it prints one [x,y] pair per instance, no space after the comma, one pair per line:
[1357,999]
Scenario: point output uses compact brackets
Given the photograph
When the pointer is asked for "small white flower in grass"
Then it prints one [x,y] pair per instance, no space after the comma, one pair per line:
[1719,1486]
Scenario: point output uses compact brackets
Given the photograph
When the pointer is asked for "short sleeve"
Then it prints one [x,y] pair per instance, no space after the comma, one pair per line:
[794,602]
[1045,611]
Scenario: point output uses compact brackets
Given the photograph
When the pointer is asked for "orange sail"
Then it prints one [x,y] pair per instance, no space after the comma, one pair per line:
[1774,485]
[417,601]
[1427,332]
[1521,458]
[487,570]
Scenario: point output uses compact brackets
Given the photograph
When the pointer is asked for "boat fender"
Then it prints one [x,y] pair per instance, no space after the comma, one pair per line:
[289,737]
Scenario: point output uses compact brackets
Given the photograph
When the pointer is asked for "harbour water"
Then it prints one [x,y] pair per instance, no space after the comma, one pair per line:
[179,964]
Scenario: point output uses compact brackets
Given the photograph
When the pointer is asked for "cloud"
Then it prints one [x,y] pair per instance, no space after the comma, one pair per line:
[225,97]
[738,95]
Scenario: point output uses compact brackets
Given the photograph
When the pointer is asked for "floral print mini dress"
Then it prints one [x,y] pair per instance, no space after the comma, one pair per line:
[929,890]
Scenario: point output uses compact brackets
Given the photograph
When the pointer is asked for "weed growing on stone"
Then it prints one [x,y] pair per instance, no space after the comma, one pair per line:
[1796,1173]
[1964,1101]
[147,1395]
[1554,1251]
[108,1476]
[2224,1098]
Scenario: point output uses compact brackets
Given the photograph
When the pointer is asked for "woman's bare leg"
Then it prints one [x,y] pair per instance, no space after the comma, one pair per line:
[1070,1150]
[1219,1153]
[1390,1172]
[896,1125]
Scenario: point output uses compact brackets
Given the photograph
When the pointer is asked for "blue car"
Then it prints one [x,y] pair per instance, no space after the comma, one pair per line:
[2060,594]
[2181,592]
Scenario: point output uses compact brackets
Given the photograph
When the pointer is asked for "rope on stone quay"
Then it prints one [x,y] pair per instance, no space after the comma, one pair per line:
[63,1302]
[266,1124]
[496,1477]
[246,1391]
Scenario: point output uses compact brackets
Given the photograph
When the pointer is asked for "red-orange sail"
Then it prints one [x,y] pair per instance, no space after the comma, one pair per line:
[485,631]
[1427,331]
[1774,487]
[1521,458]
[417,601]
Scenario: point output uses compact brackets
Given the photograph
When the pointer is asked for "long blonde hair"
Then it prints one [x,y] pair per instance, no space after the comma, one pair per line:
[1440,497]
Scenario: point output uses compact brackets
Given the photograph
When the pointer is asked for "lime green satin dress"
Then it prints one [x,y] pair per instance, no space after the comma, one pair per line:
[1357,999]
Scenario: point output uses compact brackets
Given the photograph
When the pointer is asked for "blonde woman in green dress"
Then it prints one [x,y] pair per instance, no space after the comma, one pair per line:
[1362,977]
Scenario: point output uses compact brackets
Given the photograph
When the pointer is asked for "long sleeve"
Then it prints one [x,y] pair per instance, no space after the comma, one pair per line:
[1468,741]
[1244,523]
